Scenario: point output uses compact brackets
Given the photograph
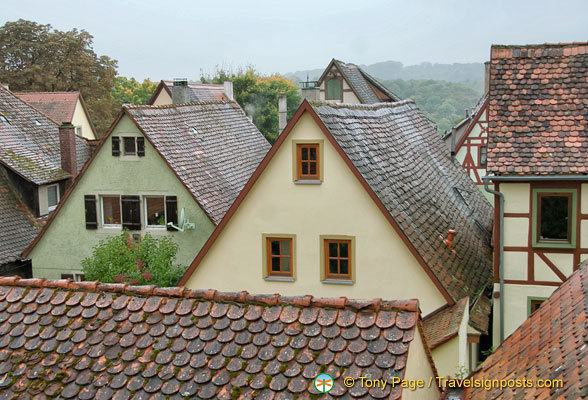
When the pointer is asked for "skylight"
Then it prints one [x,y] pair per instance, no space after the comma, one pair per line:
[193,130]
[37,122]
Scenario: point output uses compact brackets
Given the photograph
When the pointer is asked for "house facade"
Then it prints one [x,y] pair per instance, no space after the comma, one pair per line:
[63,107]
[537,162]
[163,170]
[336,208]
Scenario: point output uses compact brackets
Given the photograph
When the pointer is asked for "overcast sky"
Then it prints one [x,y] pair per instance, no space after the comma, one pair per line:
[166,39]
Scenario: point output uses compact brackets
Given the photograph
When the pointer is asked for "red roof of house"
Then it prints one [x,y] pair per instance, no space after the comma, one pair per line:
[89,340]
[59,106]
[538,109]
[551,344]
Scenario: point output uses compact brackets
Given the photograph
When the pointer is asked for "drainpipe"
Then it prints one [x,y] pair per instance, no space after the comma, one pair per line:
[486,180]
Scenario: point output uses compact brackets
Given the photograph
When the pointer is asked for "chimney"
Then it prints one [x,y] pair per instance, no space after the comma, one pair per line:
[282,111]
[180,91]
[228,89]
[67,146]
[486,77]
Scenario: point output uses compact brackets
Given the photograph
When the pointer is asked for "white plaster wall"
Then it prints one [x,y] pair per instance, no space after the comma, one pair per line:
[419,367]
[80,119]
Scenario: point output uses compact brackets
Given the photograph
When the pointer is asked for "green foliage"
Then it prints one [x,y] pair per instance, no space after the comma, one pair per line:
[132,91]
[442,102]
[119,259]
[258,96]
[36,57]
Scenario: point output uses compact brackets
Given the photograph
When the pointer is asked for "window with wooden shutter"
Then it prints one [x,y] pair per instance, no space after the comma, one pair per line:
[141,146]
[91,215]
[171,211]
[131,212]
[115,146]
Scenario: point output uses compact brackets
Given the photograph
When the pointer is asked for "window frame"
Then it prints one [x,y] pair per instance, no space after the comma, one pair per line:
[270,256]
[267,273]
[297,176]
[338,78]
[326,276]
[102,222]
[50,207]
[78,130]
[537,194]
[145,215]
[124,145]
[485,163]
[531,300]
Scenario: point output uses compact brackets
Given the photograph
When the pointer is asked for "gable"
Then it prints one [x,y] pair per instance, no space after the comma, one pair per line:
[162,96]
[276,205]
[82,120]
[110,175]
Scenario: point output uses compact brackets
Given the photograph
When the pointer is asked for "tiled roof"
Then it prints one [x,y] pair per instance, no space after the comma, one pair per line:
[212,147]
[361,80]
[29,141]
[400,155]
[551,344]
[100,341]
[538,109]
[200,92]
[59,106]
[444,325]
[18,226]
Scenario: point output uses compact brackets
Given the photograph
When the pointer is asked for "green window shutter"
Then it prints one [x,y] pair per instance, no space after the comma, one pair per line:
[115,146]
[91,214]
[334,89]
[171,211]
[141,146]
[131,212]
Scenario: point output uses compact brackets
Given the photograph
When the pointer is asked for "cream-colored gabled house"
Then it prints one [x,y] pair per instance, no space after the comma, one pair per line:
[358,201]
[537,159]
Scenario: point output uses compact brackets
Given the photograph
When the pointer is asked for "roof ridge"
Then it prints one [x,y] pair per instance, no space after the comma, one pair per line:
[165,106]
[376,304]
[374,106]
[57,92]
[539,45]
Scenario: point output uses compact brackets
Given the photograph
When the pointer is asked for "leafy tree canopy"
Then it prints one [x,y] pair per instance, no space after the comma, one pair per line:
[258,96]
[36,57]
[132,91]
[120,259]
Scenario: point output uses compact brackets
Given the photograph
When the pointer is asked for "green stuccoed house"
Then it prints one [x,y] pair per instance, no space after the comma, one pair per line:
[164,170]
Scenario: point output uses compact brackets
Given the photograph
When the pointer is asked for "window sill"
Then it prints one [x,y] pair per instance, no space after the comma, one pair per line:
[279,279]
[553,245]
[307,182]
[337,282]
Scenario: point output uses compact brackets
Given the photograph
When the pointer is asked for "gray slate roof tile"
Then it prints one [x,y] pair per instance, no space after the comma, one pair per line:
[361,80]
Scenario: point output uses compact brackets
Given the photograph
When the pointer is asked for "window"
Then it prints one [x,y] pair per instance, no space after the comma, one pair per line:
[79,131]
[111,215]
[308,161]
[155,212]
[554,217]
[534,303]
[337,259]
[52,197]
[483,156]
[129,146]
[334,89]
[279,256]
[76,276]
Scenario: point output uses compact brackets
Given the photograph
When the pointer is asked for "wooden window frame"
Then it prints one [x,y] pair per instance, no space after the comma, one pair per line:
[299,161]
[267,273]
[340,79]
[534,300]
[270,256]
[572,195]
[338,277]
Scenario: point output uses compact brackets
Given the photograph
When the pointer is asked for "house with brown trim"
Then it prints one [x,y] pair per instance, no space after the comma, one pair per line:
[169,170]
[87,340]
[361,201]
[38,156]
[546,355]
[63,107]
[347,83]
[179,91]
[537,160]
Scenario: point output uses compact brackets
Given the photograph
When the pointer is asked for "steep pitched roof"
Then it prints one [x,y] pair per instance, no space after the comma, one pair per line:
[18,225]
[538,119]
[551,344]
[212,147]
[463,127]
[398,157]
[88,340]
[361,82]
[59,106]
[29,142]
[199,92]
[444,325]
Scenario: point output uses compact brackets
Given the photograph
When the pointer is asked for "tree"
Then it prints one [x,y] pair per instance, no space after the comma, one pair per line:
[35,57]
[132,91]
[119,259]
[258,96]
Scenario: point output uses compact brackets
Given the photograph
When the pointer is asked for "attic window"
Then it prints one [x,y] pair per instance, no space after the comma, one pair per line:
[37,122]
[194,131]
[334,89]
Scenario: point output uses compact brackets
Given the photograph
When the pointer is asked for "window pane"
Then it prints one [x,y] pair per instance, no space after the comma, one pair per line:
[313,168]
[333,267]
[333,250]
[52,196]
[285,247]
[313,153]
[285,264]
[554,217]
[344,265]
[275,247]
[304,168]
[275,263]
[155,211]
[129,145]
[343,250]
[111,210]
[305,153]
[483,155]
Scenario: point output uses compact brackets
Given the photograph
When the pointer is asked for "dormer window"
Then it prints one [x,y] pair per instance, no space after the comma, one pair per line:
[334,89]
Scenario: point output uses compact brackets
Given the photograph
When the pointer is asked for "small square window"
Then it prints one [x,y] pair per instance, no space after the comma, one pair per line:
[155,211]
[79,131]
[483,156]
[129,146]
[111,215]
[308,161]
[52,197]
[534,305]
[554,217]
[338,260]
[279,256]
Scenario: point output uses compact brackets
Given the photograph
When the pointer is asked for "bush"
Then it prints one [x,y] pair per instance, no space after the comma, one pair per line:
[148,262]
